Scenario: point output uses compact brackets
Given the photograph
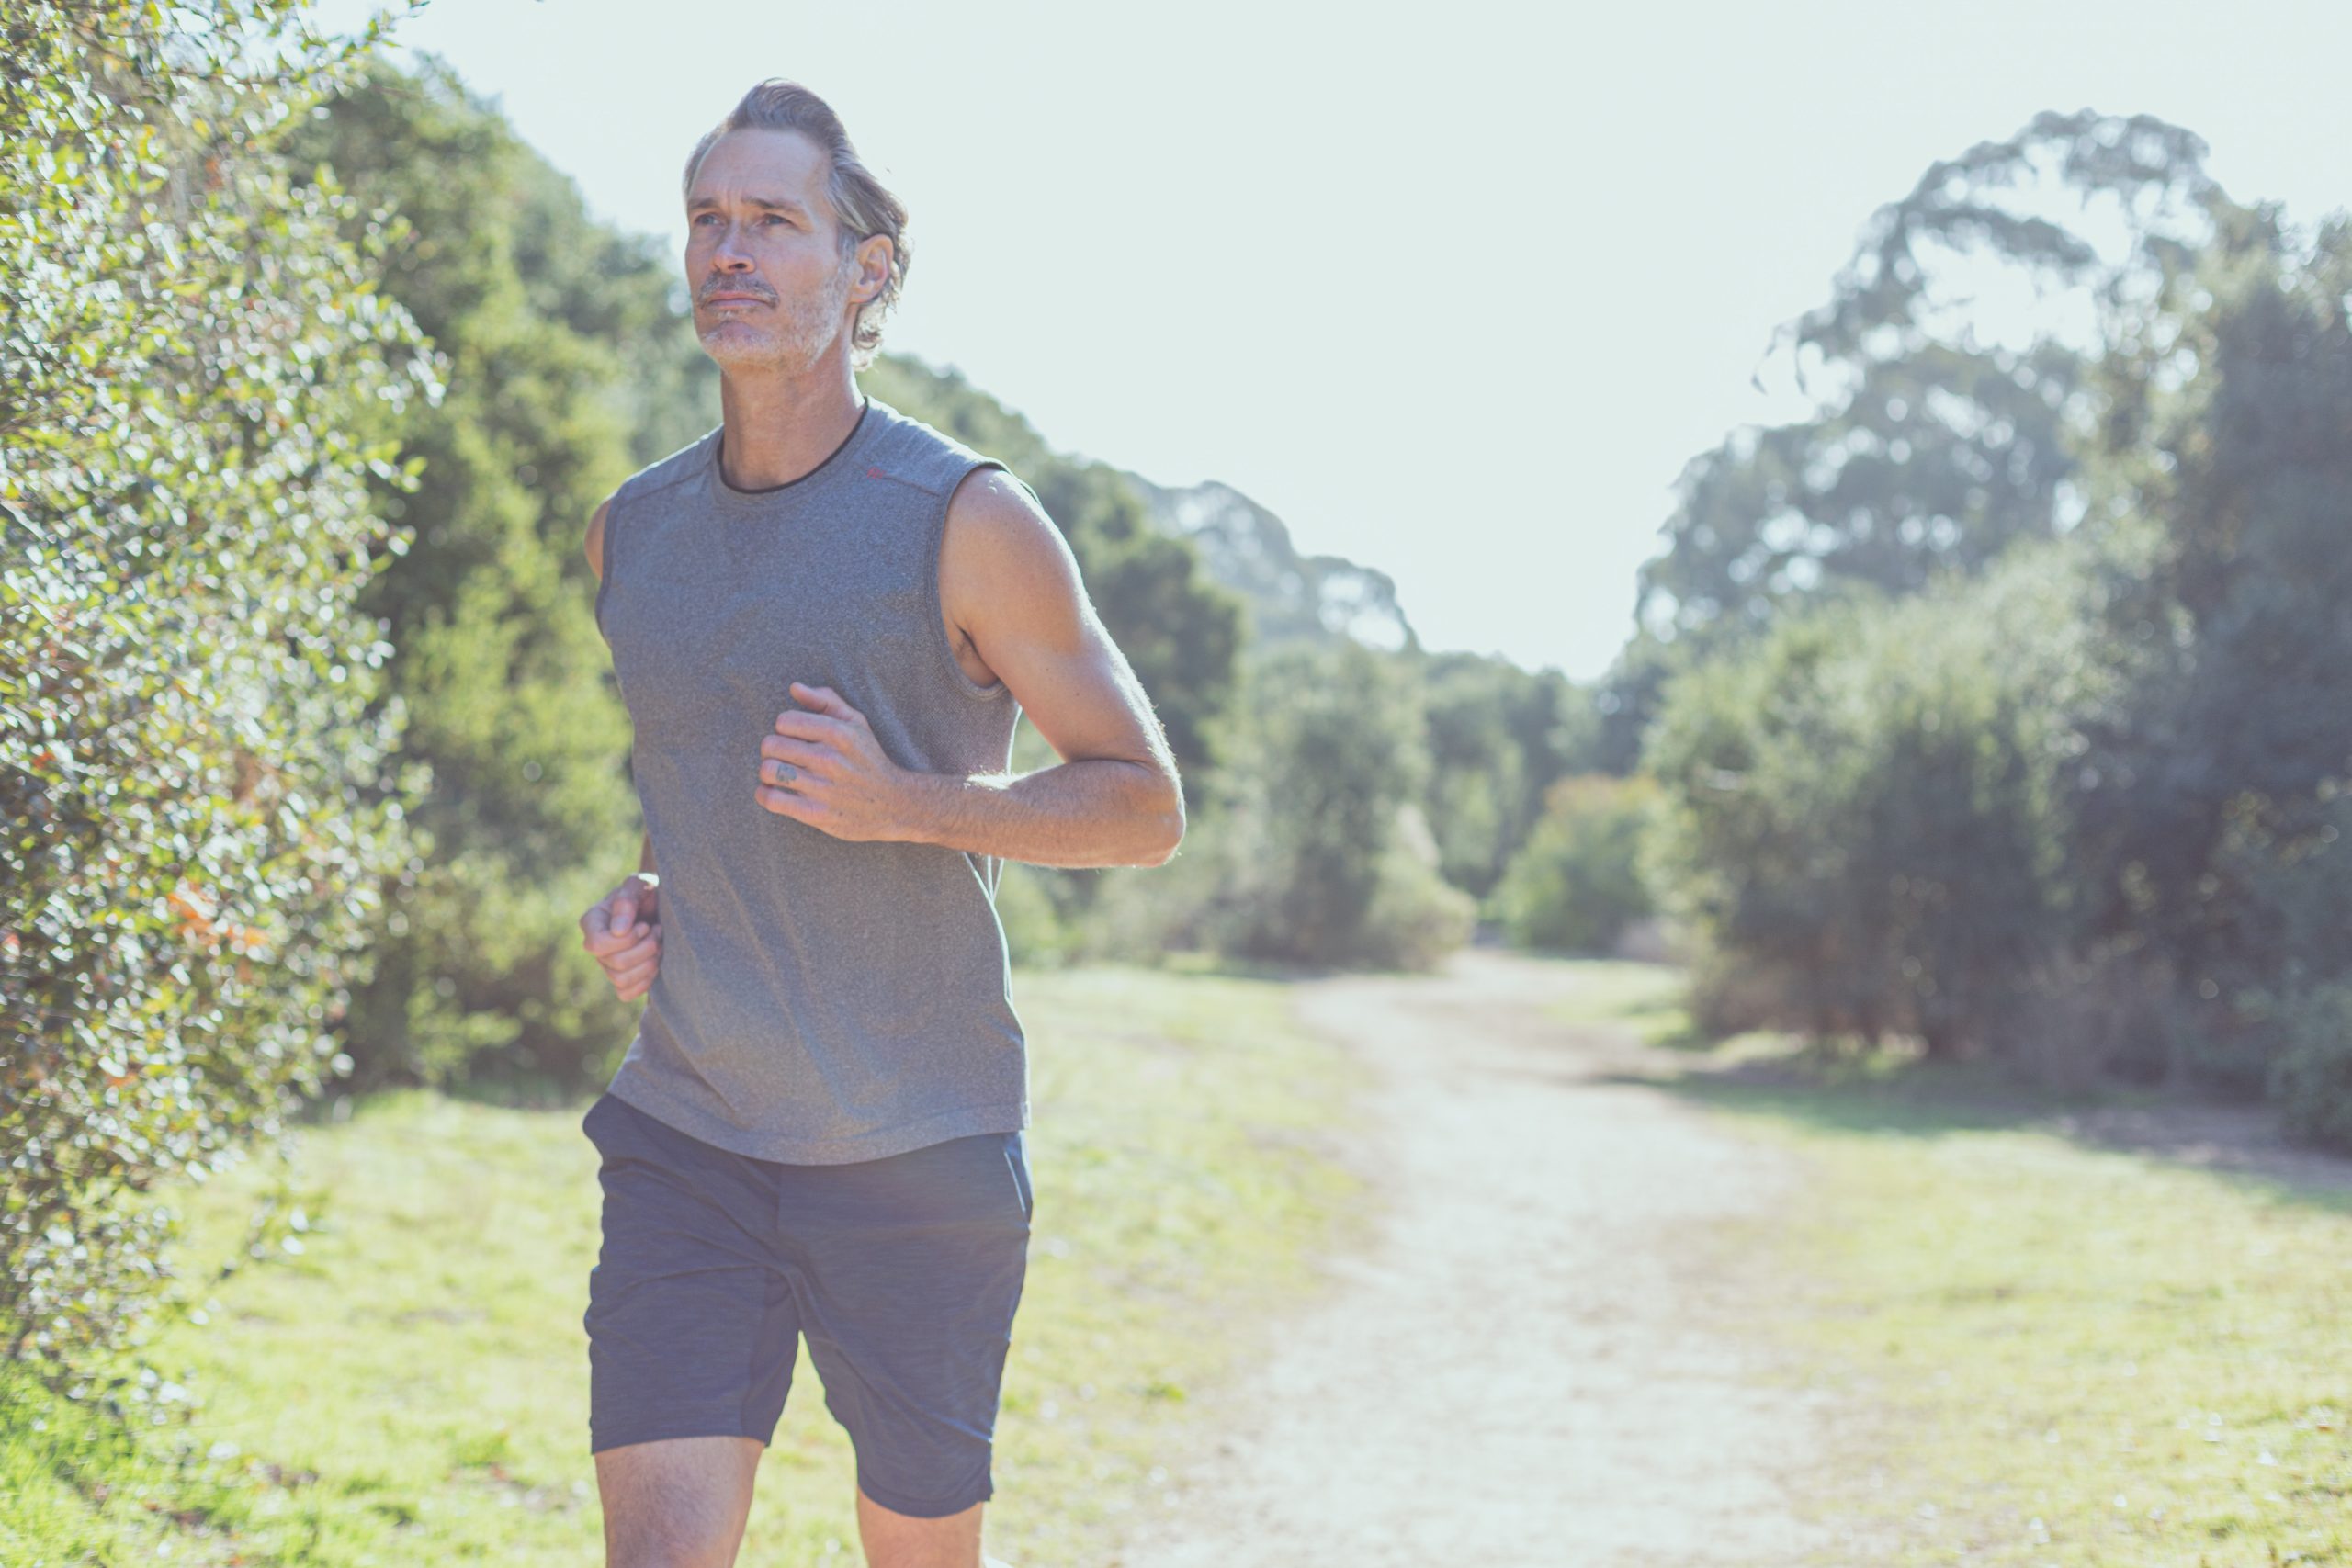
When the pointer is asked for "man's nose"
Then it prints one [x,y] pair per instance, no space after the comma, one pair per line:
[729,251]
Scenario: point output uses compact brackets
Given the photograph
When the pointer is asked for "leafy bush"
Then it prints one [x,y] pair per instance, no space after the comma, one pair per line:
[1578,882]
[1416,917]
[200,792]
[1863,812]
[1034,931]
[2310,1078]
[1144,915]
[1324,762]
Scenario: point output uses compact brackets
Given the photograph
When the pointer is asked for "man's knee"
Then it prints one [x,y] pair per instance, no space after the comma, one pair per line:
[677,1503]
[893,1540]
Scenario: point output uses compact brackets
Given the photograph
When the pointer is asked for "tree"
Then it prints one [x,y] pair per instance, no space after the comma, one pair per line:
[1330,859]
[1932,450]
[1862,821]
[1498,737]
[560,337]
[2212,788]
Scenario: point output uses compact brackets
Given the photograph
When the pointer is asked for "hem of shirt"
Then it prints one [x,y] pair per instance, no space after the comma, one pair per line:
[1010,1116]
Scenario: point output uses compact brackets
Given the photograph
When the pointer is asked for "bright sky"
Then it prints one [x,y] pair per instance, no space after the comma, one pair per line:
[1455,292]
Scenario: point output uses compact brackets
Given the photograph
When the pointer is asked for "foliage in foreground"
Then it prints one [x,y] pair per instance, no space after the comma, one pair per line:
[200,794]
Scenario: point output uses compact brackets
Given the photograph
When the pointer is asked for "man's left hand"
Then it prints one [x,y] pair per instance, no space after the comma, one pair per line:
[823,766]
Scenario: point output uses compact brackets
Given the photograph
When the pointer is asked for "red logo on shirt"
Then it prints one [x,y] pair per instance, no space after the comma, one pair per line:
[876,474]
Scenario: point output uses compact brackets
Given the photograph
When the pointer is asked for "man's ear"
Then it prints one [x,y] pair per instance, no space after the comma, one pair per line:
[873,259]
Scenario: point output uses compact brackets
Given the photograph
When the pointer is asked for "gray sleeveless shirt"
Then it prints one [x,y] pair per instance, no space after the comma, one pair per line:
[819,1002]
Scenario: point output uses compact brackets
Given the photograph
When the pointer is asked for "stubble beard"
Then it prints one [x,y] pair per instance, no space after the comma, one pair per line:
[798,331]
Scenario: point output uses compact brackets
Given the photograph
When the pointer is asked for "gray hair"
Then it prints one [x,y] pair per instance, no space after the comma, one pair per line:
[861,205]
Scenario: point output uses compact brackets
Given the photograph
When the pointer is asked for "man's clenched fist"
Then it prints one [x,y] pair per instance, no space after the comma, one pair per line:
[823,766]
[623,932]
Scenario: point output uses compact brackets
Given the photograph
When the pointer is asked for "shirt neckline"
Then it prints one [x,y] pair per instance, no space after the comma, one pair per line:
[728,492]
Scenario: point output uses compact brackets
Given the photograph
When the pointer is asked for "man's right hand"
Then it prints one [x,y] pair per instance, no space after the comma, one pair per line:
[623,932]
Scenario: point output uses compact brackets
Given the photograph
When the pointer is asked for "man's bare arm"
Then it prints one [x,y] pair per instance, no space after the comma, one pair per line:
[1088,811]
[1012,584]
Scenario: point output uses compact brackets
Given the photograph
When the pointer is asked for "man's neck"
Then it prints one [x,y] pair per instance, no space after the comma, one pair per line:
[779,428]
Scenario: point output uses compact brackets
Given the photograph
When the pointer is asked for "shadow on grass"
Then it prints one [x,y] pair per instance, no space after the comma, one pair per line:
[1848,1087]
[2236,1142]
[1877,1096]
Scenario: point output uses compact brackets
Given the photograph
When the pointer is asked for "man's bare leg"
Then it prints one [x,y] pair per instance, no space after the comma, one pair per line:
[901,1540]
[678,1503]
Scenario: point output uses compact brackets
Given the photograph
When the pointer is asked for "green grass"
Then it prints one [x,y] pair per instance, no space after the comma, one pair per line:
[411,1386]
[1643,998]
[2063,1354]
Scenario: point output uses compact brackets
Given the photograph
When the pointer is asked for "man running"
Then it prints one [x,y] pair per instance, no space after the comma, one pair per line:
[826,617]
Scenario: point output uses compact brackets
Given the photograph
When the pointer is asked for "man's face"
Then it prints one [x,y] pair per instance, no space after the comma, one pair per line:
[764,256]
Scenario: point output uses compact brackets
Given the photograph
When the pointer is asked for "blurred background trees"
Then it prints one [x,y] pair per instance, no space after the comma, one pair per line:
[547,323]
[2074,802]
[1579,882]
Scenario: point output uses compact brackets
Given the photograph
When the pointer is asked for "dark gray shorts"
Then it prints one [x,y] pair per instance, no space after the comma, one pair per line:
[902,1272]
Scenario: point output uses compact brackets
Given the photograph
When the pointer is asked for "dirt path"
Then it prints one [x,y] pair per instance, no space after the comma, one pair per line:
[1529,1367]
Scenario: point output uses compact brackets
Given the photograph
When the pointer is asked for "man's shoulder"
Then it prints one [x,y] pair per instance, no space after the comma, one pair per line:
[663,472]
[916,452]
